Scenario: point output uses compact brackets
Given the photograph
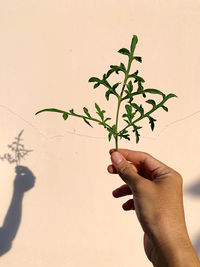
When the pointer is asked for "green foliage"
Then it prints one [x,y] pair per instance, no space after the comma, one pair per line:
[132,86]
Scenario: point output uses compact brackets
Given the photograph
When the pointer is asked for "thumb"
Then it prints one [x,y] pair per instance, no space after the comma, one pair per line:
[125,170]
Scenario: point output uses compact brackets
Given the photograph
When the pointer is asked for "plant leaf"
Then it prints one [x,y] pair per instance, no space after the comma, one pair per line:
[138,108]
[165,108]
[151,101]
[135,130]
[65,116]
[117,68]
[169,96]
[124,134]
[94,79]
[128,109]
[122,66]
[50,109]
[107,119]
[112,91]
[72,111]
[151,121]
[99,111]
[110,136]
[109,72]
[154,91]
[138,59]
[87,122]
[115,86]
[96,85]
[130,86]
[124,51]
[133,43]
[86,112]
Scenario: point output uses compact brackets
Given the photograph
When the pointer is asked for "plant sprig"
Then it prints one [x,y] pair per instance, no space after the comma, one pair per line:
[132,86]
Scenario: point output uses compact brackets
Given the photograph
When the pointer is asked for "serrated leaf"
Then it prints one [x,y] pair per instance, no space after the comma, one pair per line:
[86,112]
[165,108]
[154,91]
[151,121]
[151,101]
[65,116]
[87,122]
[138,59]
[133,43]
[124,51]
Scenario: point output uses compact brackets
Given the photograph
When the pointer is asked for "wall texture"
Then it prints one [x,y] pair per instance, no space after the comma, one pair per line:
[57,209]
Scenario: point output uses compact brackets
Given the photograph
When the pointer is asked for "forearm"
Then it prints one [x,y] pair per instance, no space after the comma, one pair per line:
[175,254]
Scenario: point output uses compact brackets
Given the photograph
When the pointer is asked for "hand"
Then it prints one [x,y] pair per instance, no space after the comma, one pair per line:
[157,200]
[24,179]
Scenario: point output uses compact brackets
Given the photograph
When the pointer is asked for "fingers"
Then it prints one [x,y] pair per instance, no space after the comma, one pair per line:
[125,170]
[111,169]
[144,160]
[121,191]
[129,205]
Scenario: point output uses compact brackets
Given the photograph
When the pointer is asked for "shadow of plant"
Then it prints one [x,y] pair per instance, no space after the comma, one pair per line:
[18,151]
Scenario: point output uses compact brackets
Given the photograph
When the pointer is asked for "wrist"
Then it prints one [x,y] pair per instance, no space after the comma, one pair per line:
[177,254]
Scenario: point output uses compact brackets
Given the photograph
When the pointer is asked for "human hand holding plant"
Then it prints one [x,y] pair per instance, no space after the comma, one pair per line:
[158,203]
[126,95]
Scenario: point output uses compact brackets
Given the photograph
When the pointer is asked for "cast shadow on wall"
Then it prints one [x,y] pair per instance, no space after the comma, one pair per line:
[24,181]
[194,190]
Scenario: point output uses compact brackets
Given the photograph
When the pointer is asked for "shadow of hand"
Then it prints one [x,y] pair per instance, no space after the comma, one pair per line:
[24,179]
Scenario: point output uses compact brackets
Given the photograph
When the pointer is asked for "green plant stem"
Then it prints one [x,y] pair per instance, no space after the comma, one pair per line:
[145,115]
[120,100]
[76,115]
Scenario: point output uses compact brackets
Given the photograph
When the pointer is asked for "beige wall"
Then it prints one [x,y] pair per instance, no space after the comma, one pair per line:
[49,50]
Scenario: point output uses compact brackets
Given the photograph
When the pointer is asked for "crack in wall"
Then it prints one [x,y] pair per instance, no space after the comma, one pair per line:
[97,137]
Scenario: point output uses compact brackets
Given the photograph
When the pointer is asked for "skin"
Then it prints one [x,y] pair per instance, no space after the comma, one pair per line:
[157,199]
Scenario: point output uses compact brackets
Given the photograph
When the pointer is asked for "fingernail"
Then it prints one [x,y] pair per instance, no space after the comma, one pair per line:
[116,158]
